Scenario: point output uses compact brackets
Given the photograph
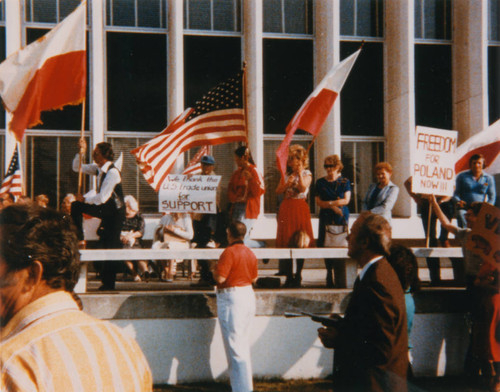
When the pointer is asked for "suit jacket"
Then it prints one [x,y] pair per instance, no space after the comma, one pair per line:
[372,349]
[385,200]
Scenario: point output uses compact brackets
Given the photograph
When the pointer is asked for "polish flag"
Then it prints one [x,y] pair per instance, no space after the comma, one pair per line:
[486,142]
[314,111]
[47,74]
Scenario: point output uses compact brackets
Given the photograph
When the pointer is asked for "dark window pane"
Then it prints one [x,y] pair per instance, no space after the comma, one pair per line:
[199,15]
[433,101]
[437,22]
[66,7]
[494,83]
[224,15]
[70,116]
[137,81]
[347,17]
[207,62]
[272,14]
[418,18]
[288,80]
[123,13]
[368,18]
[149,13]
[494,20]
[362,97]
[2,11]
[42,167]
[295,16]
[38,11]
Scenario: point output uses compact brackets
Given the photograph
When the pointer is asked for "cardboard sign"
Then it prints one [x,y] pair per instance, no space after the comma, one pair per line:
[185,193]
[433,170]
[484,239]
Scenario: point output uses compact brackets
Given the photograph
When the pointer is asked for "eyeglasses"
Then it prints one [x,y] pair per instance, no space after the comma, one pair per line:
[329,166]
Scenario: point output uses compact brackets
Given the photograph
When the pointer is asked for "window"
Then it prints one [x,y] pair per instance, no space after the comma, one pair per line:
[212,15]
[288,80]
[362,97]
[48,11]
[136,13]
[362,18]
[433,19]
[288,16]
[359,158]
[433,100]
[494,83]
[137,81]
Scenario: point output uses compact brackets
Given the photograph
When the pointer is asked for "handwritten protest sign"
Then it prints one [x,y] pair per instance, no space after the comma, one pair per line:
[484,239]
[434,164]
[183,193]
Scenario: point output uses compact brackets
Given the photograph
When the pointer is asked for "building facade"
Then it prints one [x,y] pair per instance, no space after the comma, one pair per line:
[424,62]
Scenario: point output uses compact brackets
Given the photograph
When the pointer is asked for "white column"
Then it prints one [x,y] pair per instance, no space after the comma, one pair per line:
[97,53]
[252,55]
[13,32]
[470,67]
[399,97]
[326,55]
[175,67]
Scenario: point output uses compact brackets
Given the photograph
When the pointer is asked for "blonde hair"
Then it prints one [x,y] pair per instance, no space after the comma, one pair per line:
[131,202]
[383,166]
[300,239]
[296,150]
[335,161]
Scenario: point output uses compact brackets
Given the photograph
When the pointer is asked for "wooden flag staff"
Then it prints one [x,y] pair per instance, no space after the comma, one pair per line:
[82,132]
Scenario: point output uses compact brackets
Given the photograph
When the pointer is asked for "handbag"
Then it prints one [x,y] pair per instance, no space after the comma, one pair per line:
[336,236]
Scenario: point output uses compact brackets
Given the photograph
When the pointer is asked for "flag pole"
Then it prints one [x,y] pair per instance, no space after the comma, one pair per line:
[82,132]
[428,227]
[244,92]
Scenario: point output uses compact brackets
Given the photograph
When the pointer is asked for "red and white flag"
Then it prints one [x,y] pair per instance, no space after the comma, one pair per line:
[314,111]
[194,166]
[47,74]
[486,142]
[218,118]
[12,182]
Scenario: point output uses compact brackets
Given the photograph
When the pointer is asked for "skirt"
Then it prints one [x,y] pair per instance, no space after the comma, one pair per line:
[293,215]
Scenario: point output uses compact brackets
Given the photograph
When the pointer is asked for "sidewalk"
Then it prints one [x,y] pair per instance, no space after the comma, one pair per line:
[438,384]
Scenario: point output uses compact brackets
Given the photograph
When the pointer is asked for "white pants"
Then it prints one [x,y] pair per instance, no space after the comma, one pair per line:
[235,310]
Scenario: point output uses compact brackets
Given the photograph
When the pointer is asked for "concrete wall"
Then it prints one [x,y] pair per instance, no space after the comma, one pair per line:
[180,334]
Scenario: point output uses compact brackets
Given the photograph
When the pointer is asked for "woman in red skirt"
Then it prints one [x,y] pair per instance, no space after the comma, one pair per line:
[294,214]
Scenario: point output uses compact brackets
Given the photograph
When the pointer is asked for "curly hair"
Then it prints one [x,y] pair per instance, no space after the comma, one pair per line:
[30,233]
[106,150]
[335,161]
[296,150]
[383,166]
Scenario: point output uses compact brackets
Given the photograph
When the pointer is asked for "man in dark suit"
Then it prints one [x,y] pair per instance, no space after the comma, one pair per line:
[371,340]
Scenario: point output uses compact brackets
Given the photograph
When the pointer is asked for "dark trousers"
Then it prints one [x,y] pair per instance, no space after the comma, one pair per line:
[109,232]
[202,235]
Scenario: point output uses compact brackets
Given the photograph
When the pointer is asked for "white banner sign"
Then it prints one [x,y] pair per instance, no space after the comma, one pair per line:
[184,193]
[434,166]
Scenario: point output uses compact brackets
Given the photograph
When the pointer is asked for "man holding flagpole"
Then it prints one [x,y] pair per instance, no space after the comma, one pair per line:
[107,204]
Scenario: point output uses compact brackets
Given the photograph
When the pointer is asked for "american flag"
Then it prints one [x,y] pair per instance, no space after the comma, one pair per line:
[12,181]
[218,118]
[194,166]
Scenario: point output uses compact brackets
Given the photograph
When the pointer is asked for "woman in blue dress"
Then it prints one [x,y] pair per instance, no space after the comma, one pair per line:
[333,193]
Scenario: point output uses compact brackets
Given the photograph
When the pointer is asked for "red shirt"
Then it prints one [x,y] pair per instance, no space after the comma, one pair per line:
[238,265]
[250,190]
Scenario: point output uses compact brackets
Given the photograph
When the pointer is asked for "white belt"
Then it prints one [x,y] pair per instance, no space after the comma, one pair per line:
[231,289]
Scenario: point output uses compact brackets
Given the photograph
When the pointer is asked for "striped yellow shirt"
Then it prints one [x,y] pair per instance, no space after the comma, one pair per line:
[50,345]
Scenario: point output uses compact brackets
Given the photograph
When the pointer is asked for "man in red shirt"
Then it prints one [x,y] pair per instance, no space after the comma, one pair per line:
[234,273]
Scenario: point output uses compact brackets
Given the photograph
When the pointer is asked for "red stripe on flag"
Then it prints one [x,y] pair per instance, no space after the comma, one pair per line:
[490,152]
[60,81]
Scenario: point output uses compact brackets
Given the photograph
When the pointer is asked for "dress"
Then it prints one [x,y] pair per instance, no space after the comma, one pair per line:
[294,214]
[52,345]
[381,203]
[250,191]
[372,349]
[136,223]
[236,310]
[469,190]
[330,191]
[107,204]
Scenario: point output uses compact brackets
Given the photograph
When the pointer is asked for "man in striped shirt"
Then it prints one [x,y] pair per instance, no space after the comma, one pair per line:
[46,342]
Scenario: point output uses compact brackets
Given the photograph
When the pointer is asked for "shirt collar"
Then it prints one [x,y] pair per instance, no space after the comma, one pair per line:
[368,265]
[42,307]
[104,168]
